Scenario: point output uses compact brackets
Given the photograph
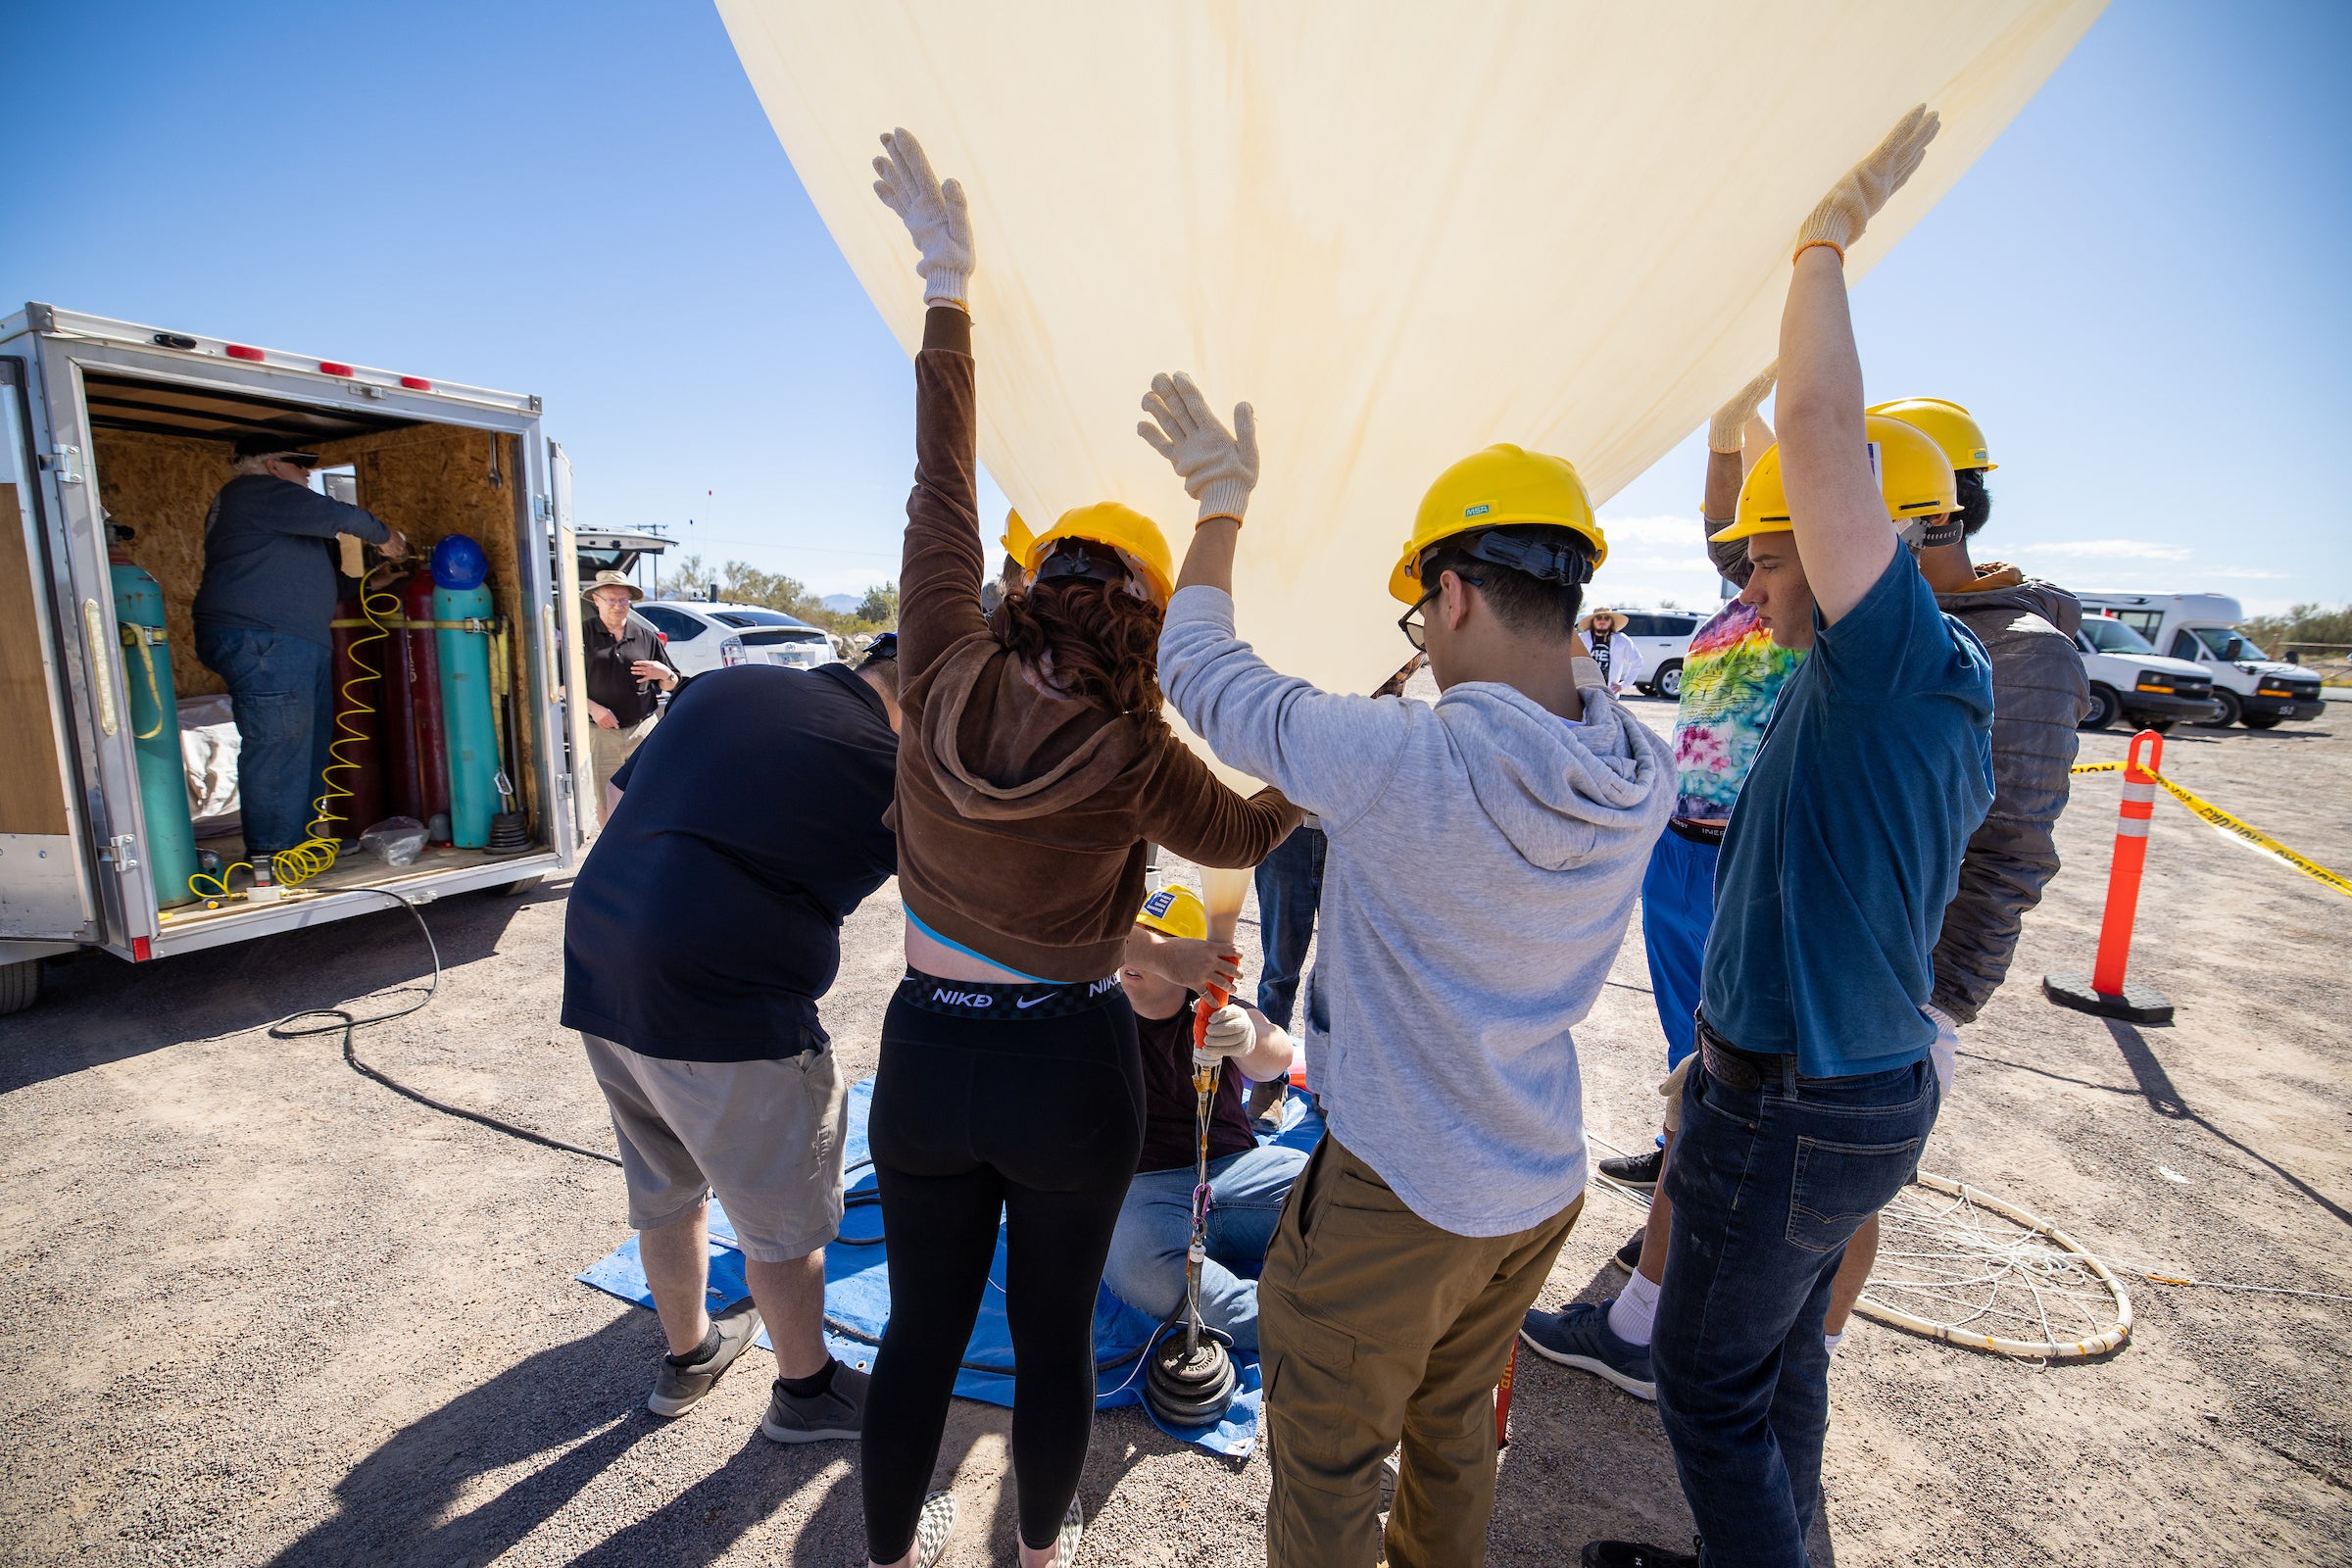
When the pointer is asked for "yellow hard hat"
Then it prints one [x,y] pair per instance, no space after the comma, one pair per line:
[1949,424]
[1124,529]
[1018,539]
[1176,910]
[1914,476]
[1492,489]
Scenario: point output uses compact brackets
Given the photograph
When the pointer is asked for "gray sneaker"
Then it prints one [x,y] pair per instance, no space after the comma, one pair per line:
[679,1389]
[1073,1530]
[838,1412]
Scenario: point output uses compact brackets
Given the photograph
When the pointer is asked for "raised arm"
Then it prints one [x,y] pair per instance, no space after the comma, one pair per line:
[940,572]
[1834,503]
[1218,467]
[1732,446]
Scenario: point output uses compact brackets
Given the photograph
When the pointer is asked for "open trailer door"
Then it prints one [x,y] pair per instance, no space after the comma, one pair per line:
[586,810]
[44,885]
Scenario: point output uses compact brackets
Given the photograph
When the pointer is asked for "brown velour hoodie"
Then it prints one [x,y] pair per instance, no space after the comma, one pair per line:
[1022,817]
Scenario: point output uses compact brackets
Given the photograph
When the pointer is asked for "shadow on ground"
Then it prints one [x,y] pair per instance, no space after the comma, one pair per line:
[95,1009]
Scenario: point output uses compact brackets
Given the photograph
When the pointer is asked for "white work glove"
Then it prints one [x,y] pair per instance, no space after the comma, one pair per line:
[934,213]
[1218,467]
[1230,1033]
[1856,199]
[1728,430]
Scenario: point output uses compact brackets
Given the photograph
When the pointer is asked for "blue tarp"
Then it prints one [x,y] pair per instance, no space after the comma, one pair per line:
[858,1296]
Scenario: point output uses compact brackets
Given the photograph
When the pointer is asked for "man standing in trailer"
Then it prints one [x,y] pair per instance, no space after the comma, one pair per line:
[261,625]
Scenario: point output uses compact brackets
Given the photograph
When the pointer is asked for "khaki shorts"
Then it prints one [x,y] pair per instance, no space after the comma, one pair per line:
[1671,1089]
[766,1136]
[607,749]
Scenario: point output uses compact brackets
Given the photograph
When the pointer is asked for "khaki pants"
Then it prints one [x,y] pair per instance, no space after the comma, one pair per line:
[1375,1325]
[607,749]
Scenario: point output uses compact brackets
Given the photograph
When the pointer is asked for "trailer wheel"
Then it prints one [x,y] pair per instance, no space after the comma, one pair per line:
[514,889]
[19,985]
[2105,707]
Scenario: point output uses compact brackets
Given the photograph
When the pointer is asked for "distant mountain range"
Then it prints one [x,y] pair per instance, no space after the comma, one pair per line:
[842,603]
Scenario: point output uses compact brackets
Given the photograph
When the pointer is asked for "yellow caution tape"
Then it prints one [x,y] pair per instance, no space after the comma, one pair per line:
[2231,825]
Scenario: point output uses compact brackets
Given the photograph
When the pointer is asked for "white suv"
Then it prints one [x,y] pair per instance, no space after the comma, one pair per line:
[1663,637]
[703,636]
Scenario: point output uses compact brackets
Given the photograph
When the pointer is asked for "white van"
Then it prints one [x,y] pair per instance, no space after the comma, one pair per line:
[2129,679]
[101,417]
[2202,629]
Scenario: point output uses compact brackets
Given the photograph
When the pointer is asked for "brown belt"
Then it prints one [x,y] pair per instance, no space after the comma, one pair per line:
[1727,1063]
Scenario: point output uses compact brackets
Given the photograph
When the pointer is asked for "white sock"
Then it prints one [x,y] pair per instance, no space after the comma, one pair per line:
[1630,1314]
[1830,1342]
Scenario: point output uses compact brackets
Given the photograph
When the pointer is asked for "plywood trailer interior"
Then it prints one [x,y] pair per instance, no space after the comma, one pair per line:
[162,451]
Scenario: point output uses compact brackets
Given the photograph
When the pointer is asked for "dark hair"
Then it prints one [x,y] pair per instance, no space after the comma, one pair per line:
[1976,502]
[1526,605]
[881,662]
[1100,641]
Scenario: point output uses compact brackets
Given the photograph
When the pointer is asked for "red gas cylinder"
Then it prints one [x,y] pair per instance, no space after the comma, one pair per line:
[354,775]
[403,777]
[424,702]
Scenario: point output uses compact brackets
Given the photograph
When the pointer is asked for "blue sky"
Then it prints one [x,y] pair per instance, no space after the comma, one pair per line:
[2141,290]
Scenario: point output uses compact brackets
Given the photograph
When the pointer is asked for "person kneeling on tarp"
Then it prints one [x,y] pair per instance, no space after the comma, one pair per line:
[698,938]
[1246,1184]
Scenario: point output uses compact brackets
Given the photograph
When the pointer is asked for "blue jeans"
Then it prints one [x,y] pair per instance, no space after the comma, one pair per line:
[282,695]
[1246,1195]
[1678,906]
[1768,1185]
[1289,890]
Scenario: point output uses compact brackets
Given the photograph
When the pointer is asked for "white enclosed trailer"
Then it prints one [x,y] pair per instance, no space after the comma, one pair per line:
[102,417]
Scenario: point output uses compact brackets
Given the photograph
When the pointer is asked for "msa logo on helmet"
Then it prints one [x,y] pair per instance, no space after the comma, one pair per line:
[1479,511]
[964,998]
[1878,475]
[1159,903]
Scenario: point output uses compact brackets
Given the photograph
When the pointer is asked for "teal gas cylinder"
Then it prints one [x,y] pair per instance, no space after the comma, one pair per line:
[460,594]
[169,844]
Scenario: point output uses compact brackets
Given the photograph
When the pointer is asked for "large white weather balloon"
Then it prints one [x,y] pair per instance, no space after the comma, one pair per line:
[1402,231]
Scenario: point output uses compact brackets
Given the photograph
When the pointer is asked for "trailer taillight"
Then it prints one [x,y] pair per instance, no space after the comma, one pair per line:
[238,351]
[416,383]
[335,367]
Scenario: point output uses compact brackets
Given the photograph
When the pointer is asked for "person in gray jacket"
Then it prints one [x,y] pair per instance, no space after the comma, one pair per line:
[1483,853]
[2039,693]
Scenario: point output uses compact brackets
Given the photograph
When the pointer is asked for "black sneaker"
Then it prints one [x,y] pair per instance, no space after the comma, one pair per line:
[1636,1555]
[838,1412]
[679,1389]
[1629,1257]
[1638,1171]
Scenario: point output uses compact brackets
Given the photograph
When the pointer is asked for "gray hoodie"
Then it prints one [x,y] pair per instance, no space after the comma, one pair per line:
[2039,693]
[1484,855]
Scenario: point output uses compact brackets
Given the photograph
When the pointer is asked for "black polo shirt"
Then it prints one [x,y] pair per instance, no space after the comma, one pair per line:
[706,921]
[608,657]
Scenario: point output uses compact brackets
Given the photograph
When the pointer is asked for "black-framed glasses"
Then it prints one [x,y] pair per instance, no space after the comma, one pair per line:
[1415,630]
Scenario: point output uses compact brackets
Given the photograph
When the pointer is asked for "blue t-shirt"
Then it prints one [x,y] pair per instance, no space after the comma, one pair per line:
[1845,844]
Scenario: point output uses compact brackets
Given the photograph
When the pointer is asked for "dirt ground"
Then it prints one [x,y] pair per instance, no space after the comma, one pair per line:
[260,1310]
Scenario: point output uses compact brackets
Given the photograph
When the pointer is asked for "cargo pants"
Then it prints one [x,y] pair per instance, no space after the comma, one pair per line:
[1375,1325]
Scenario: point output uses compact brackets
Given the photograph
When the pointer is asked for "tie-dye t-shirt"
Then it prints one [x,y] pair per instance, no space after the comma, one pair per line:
[1732,676]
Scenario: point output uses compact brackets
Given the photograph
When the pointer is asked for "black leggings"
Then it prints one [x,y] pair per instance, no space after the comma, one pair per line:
[1021,1099]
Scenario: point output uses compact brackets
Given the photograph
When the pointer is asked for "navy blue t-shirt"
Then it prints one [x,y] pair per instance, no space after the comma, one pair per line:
[1845,844]
[707,920]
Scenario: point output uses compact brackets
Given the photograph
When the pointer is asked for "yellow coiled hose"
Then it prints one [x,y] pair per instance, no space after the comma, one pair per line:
[317,853]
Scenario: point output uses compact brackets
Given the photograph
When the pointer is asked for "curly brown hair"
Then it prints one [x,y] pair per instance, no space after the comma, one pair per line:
[1100,641]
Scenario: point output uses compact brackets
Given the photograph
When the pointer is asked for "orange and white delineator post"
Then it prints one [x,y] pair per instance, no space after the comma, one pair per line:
[2104,989]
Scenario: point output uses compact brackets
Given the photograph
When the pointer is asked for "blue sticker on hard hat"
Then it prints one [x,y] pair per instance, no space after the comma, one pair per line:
[1877,477]
[1479,511]
[1159,903]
